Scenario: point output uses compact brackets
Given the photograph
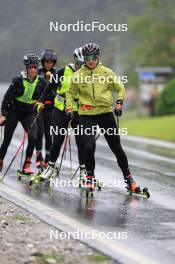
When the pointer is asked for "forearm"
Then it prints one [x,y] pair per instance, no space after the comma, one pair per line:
[7,100]
[70,95]
[120,91]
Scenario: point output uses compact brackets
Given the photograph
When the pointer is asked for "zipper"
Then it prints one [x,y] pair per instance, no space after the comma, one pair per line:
[93,91]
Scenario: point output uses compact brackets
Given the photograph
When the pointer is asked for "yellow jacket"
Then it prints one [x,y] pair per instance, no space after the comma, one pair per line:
[94,88]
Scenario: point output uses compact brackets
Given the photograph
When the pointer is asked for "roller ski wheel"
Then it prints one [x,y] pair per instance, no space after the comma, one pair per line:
[19,175]
[89,192]
[146,192]
[98,185]
[55,173]
[34,180]
[81,182]
[90,187]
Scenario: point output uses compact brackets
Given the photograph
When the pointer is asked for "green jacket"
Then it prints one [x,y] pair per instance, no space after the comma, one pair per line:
[94,89]
[59,101]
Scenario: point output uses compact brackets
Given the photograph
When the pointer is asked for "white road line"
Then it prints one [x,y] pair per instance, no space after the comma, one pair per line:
[148,141]
[112,248]
[143,153]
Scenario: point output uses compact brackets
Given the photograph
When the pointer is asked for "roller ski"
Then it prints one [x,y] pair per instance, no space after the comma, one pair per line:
[134,189]
[45,175]
[21,174]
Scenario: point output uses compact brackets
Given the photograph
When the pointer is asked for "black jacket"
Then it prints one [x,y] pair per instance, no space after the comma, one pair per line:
[49,98]
[16,89]
[51,90]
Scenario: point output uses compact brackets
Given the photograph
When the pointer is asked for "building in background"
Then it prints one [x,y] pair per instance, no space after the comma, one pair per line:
[151,81]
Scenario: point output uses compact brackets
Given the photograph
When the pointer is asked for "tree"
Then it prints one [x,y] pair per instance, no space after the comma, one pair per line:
[166,102]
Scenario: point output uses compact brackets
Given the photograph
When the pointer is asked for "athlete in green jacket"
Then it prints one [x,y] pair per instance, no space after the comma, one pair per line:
[94,84]
[19,105]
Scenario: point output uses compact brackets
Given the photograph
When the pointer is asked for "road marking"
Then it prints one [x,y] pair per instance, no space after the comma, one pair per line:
[141,153]
[149,141]
[65,223]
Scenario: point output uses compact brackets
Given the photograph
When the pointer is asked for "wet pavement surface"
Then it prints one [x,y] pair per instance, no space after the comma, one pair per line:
[149,223]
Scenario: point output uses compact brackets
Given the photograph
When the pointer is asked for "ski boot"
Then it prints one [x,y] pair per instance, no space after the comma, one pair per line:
[132,185]
[26,170]
[1,164]
[82,178]
[48,172]
[133,188]
[46,161]
[39,161]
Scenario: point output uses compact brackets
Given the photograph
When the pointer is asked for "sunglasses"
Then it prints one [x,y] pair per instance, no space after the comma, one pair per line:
[91,57]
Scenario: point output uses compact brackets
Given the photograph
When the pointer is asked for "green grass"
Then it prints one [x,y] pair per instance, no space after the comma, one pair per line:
[43,258]
[20,218]
[152,127]
[98,258]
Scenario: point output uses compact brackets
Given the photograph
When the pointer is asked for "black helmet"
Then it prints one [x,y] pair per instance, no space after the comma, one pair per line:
[31,59]
[48,54]
[91,49]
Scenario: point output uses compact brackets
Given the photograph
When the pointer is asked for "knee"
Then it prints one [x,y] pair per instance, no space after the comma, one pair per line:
[33,135]
[90,148]
[58,139]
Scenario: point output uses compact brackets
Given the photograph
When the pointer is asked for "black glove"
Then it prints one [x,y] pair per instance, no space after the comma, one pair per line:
[68,115]
[118,108]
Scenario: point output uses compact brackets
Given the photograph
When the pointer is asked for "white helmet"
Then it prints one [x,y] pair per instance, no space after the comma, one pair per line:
[78,56]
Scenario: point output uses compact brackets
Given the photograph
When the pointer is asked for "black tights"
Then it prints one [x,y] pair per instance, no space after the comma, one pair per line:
[104,121]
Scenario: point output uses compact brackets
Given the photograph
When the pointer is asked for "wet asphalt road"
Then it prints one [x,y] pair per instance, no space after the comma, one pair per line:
[150,224]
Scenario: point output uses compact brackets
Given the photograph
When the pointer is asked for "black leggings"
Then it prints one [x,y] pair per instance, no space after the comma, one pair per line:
[26,120]
[104,121]
[60,121]
[43,124]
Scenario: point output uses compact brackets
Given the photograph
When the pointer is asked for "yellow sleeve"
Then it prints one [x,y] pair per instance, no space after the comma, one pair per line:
[118,87]
[72,93]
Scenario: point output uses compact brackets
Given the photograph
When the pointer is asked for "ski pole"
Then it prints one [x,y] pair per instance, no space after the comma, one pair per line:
[65,147]
[79,165]
[70,153]
[2,132]
[118,122]
[64,151]
[22,153]
[19,148]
